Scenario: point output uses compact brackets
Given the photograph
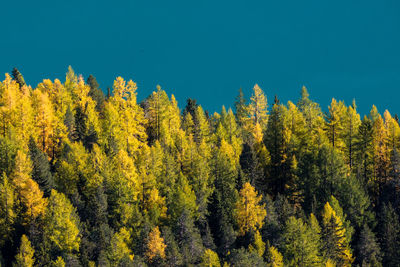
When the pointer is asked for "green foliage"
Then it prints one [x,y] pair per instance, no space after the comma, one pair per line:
[299,246]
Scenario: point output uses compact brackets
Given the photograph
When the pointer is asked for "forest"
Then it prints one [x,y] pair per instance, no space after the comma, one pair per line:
[94,179]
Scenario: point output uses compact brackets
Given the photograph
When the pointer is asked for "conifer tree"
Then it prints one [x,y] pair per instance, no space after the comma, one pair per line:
[28,190]
[299,248]
[40,168]
[119,248]
[18,77]
[389,229]
[368,248]
[8,212]
[335,245]
[61,230]
[95,92]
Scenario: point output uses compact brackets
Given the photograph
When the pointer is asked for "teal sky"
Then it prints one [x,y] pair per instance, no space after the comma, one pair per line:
[207,50]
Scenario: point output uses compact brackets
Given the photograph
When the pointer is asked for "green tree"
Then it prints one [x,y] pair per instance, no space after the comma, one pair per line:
[40,168]
[299,248]
[61,230]
[369,253]
[18,77]
[95,92]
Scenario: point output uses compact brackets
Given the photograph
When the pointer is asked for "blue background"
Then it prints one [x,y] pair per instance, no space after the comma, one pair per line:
[209,49]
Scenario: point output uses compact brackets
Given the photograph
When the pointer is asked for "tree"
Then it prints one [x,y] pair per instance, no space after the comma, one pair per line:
[18,77]
[241,109]
[40,168]
[258,107]
[24,258]
[7,209]
[351,124]
[389,232]
[155,245]
[249,213]
[119,247]
[275,258]
[61,230]
[299,248]
[95,92]
[335,121]
[335,245]
[210,259]
[28,190]
[368,248]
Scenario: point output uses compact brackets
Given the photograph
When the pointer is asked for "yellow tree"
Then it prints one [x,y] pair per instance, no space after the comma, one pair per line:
[249,213]
[210,259]
[7,209]
[275,258]
[335,124]
[155,245]
[50,129]
[123,118]
[25,126]
[27,189]
[258,107]
[393,131]
[24,257]
[9,95]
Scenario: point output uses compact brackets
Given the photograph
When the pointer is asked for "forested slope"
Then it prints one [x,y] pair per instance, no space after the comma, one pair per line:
[94,180]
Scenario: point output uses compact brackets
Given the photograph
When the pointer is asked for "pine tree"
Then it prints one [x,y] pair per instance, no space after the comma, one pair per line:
[8,213]
[61,230]
[299,248]
[95,92]
[335,245]
[368,248]
[389,232]
[18,77]
[241,109]
[41,168]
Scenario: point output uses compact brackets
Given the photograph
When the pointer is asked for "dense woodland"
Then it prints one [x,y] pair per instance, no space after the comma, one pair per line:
[89,179]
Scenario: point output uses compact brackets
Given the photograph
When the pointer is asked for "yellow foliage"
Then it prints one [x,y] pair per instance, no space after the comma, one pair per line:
[249,213]
[210,259]
[30,194]
[155,245]
[275,257]
[24,257]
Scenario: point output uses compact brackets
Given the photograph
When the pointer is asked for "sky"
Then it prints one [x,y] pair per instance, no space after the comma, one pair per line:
[207,50]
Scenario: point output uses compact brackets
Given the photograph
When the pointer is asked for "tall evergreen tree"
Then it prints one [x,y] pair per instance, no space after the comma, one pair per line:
[40,168]
[18,77]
